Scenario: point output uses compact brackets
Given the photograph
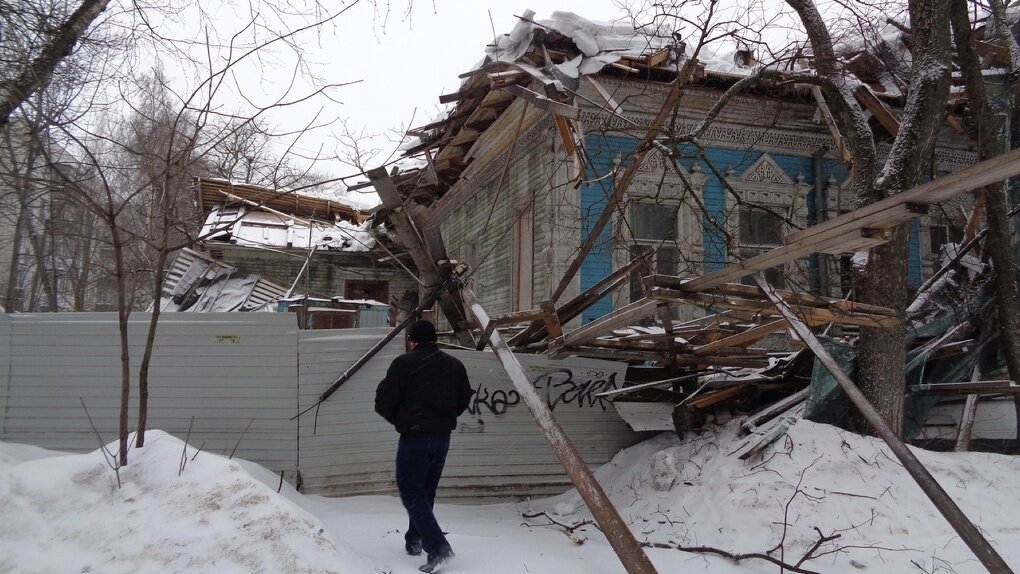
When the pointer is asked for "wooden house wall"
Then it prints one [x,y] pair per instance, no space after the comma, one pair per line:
[496,450]
[479,227]
[328,273]
[224,369]
[749,127]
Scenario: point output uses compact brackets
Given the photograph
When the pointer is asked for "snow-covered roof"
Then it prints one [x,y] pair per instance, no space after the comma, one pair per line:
[254,227]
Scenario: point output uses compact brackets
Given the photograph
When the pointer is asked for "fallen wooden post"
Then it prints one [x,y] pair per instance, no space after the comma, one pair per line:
[938,496]
[616,530]
[966,424]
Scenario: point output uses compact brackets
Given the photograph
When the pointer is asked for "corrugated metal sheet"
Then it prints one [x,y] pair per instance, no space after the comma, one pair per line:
[497,448]
[225,369]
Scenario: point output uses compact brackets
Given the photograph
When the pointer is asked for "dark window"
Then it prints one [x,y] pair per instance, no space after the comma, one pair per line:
[759,227]
[938,236]
[375,290]
[653,221]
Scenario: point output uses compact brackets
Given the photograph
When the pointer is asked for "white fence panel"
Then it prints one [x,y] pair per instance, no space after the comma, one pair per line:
[497,450]
[224,369]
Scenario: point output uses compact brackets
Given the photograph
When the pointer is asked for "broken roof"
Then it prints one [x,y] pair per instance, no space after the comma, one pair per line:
[254,216]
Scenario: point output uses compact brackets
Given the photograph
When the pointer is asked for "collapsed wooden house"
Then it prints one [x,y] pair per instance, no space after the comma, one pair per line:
[278,243]
[576,224]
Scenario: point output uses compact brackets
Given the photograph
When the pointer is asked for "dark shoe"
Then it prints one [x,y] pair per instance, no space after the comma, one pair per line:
[436,561]
[413,547]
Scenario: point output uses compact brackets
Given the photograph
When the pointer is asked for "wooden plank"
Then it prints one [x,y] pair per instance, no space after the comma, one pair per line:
[837,138]
[551,319]
[775,409]
[874,105]
[810,240]
[706,400]
[611,104]
[966,429]
[582,301]
[617,531]
[938,496]
[544,103]
[749,336]
[826,234]
[623,316]
[814,315]
[858,240]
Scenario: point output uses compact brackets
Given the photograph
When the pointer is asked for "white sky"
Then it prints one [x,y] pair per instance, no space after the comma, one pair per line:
[404,68]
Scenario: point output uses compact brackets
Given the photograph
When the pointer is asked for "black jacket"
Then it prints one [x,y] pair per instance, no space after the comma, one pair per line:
[424,391]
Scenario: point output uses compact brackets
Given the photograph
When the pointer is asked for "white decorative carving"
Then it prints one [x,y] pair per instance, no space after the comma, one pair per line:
[766,170]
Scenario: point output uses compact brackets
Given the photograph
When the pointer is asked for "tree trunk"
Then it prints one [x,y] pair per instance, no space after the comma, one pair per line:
[990,144]
[882,353]
[37,72]
[123,313]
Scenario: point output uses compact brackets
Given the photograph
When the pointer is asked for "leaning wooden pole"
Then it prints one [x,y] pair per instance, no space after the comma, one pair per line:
[634,559]
[938,496]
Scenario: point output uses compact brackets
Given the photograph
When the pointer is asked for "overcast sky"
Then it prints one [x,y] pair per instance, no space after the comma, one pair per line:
[403,69]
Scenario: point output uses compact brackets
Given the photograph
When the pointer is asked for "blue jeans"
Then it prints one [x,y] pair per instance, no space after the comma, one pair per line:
[420,461]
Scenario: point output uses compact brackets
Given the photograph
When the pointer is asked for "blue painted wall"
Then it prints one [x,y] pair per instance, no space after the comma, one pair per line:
[603,149]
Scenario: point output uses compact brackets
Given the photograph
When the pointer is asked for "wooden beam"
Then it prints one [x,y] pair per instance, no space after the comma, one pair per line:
[938,496]
[837,138]
[413,241]
[544,103]
[612,525]
[749,336]
[874,105]
[623,316]
[966,429]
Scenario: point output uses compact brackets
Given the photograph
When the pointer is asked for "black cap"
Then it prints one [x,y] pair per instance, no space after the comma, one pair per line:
[422,331]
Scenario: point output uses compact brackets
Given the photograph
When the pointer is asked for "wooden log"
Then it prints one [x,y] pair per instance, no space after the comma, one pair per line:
[775,409]
[966,429]
[612,525]
[968,532]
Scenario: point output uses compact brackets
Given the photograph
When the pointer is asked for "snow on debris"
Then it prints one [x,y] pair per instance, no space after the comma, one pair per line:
[600,43]
[66,514]
[698,493]
[267,229]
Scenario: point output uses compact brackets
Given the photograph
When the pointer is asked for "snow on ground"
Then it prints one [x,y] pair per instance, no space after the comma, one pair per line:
[64,513]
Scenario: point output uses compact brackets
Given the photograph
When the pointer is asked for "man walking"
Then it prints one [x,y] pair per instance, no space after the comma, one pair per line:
[424,392]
